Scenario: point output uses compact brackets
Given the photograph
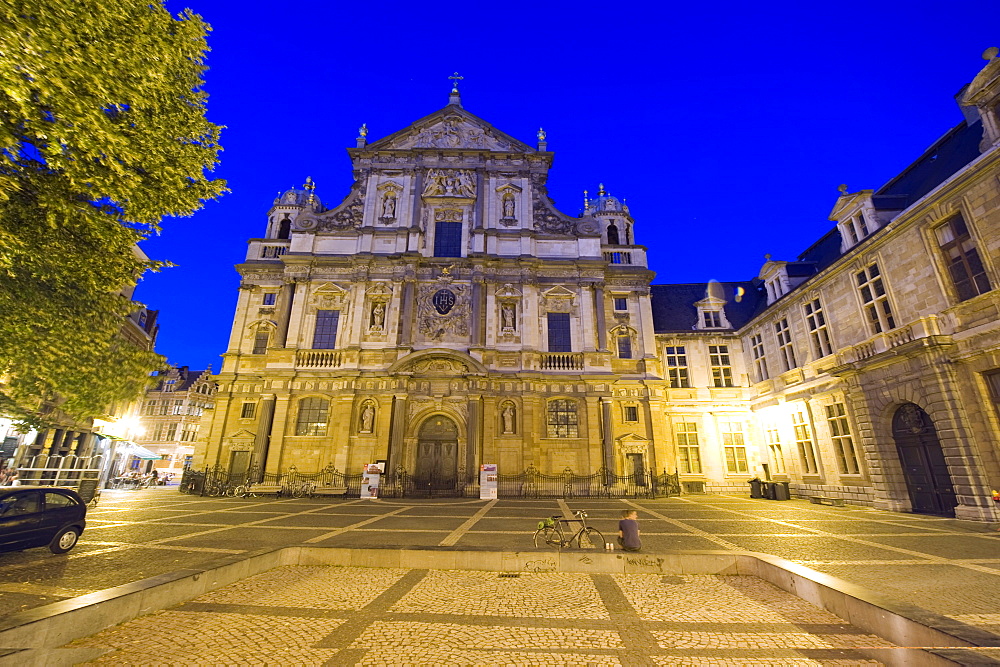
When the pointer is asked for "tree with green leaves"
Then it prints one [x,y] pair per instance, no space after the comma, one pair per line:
[102,134]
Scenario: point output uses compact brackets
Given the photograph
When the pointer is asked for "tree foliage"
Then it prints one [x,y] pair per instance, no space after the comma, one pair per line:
[102,134]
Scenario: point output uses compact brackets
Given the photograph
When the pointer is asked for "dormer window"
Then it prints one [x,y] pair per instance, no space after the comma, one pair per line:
[856,228]
[711,311]
[711,319]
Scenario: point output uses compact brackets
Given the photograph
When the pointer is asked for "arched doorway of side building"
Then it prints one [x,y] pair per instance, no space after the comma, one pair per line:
[436,468]
[924,468]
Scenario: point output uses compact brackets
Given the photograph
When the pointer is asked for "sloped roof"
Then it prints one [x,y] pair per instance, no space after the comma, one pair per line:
[674,309]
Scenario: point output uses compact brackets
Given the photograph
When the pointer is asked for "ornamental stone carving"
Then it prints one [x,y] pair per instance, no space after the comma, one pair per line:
[443,310]
[347,215]
[454,132]
[450,183]
[545,217]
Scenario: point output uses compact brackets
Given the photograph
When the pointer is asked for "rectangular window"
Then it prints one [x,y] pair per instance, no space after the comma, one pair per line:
[312,416]
[677,363]
[562,419]
[688,452]
[968,274]
[843,444]
[269,298]
[722,370]
[621,303]
[631,413]
[804,442]
[150,408]
[712,319]
[447,239]
[993,382]
[260,342]
[171,432]
[773,439]
[179,407]
[559,338]
[248,410]
[818,332]
[624,346]
[759,360]
[785,349]
[734,446]
[325,333]
[876,301]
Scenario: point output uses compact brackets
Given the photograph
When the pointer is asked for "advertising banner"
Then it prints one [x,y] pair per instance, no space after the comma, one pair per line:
[370,476]
[488,481]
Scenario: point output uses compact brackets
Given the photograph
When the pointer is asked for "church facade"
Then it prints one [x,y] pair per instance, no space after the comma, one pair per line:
[446,315]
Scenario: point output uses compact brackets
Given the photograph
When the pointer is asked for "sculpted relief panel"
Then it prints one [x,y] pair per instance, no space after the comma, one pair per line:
[454,132]
[443,311]
[450,183]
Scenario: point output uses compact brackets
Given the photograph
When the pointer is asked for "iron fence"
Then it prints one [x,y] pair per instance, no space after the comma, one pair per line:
[531,483]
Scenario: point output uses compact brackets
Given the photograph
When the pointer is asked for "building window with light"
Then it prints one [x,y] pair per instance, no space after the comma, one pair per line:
[688,451]
[312,417]
[804,443]
[722,369]
[759,360]
[734,447]
[677,367]
[785,350]
[843,443]
[819,334]
[874,299]
[561,419]
[968,275]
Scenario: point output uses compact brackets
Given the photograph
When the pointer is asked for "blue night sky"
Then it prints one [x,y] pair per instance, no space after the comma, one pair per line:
[726,126]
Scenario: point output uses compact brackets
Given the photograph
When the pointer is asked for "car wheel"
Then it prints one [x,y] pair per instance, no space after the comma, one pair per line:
[64,540]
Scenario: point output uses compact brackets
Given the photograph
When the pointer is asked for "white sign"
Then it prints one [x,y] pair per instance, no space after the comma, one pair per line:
[488,481]
[370,477]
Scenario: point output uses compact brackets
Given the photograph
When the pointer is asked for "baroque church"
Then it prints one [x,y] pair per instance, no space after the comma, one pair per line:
[446,315]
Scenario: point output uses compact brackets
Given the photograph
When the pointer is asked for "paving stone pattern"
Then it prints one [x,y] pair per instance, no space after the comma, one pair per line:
[946,566]
[381,617]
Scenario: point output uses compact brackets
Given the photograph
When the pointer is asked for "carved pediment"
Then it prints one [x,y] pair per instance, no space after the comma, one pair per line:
[508,291]
[240,441]
[328,295]
[379,289]
[455,131]
[630,443]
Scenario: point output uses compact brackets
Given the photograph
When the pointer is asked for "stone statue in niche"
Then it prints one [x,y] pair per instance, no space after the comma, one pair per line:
[508,206]
[507,317]
[367,418]
[378,317]
[507,416]
[389,206]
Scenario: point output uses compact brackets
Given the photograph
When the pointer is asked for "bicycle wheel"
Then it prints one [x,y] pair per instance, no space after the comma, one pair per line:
[591,538]
[547,536]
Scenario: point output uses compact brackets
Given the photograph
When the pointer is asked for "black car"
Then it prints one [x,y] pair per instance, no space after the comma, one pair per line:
[38,516]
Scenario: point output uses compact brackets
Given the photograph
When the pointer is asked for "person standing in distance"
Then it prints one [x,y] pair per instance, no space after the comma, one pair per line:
[628,531]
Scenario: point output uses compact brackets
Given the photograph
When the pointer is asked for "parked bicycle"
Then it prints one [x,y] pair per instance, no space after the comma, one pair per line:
[557,532]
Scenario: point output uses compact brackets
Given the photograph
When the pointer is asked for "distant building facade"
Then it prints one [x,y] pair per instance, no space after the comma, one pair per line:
[171,415]
[445,315]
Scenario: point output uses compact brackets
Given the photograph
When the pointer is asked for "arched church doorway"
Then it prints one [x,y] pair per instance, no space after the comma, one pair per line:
[924,467]
[437,455]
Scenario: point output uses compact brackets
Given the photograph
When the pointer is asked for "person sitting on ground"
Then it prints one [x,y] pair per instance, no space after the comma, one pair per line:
[628,531]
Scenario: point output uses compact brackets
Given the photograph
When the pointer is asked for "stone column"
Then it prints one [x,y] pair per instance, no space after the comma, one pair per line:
[275,441]
[406,313]
[286,298]
[602,327]
[473,449]
[262,439]
[397,431]
[478,313]
[607,435]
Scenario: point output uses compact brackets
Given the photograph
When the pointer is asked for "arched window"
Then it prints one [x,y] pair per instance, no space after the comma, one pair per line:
[562,420]
[613,238]
[260,341]
[312,416]
[284,228]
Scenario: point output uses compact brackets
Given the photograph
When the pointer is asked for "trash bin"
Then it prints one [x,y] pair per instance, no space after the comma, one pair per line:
[769,490]
[755,488]
[780,491]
